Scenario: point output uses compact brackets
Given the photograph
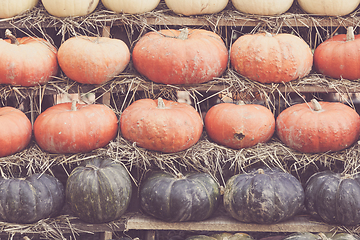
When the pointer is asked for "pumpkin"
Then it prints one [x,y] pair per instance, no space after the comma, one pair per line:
[338,57]
[222,236]
[27,200]
[263,196]
[133,7]
[99,190]
[93,60]
[318,126]
[333,197]
[70,8]
[15,131]
[11,8]
[161,125]
[329,7]
[187,56]
[26,61]
[268,58]
[239,125]
[75,128]
[193,196]
[322,236]
[262,7]
[196,7]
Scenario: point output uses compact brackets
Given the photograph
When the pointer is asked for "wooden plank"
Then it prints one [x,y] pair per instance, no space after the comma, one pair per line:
[107,235]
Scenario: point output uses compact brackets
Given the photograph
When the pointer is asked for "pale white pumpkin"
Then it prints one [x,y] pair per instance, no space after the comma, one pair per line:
[196,7]
[263,7]
[67,8]
[11,8]
[132,7]
[329,7]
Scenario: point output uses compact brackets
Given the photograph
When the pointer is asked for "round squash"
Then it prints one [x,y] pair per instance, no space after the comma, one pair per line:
[262,7]
[99,190]
[339,56]
[263,196]
[268,58]
[11,8]
[93,60]
[318,127]
[329,7]
[187,56]
[196,7]
[132,7]
[70,8]
[322,236]
[239,125]
[15,131]
[178,198]
[231,236]
[26,61]
[161,125]
[27,200]
[75,128]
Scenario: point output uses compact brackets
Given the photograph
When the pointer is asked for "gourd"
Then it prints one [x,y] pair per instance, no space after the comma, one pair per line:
[318,126]
[70,8]
[27,200]
[99,190]
[262,7]
[132,7]
[268,58]
[186,56]
[93,60]
[196,7]
[239,125]
[176,198]
[161,125]
[15,131]
[329,7]
[75,128]
[263,196]
[11,8]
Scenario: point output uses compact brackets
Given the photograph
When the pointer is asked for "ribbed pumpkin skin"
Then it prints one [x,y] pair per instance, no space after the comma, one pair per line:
[192,197]
[333,128]
[59,129]
[11,8]
[164,58]
[329,7]
[263,7]
[132,7]
[268,197]
[70,8]
[93,60]
[27,200]
[173,128]
[15,131]
[333,198]
[99,190]
[232,236]
[196,7]
[270,58]
[239,126]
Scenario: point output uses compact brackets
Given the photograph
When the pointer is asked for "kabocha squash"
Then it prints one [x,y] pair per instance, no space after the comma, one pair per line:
[27,200]
[239,125]
[263,196]
[11,8]
[99,190]
[161,125]
[329,7]
[27,61]
[318,126]
[268,58]
[75,128]
[132,7]
[339,56]
[187,56]
[262,7]
[178,198]
[196,7]
[93,60]
[322,236]
[70,8]
[15,131]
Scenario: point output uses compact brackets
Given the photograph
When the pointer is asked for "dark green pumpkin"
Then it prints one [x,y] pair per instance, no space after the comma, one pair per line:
[263,196]
[333,197]
[27,200]
[189,197]
[322,236]
[99,190]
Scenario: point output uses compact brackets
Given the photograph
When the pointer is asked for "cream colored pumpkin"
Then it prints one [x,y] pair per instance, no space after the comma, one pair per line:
[67,8]
[263,7]
[329,7]
[11,8]
[196,7]
[132,7]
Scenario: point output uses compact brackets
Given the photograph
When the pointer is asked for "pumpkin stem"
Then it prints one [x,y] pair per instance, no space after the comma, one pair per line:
[179,175]
[184,33]
[13,39]
[73,105]
[267,34]
[316,105]
[350,34]
[161,104]
[92,166]
[260,171]
[241,102]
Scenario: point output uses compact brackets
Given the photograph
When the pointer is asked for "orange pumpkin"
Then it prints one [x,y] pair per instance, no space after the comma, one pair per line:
[186,56]
[161,125]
